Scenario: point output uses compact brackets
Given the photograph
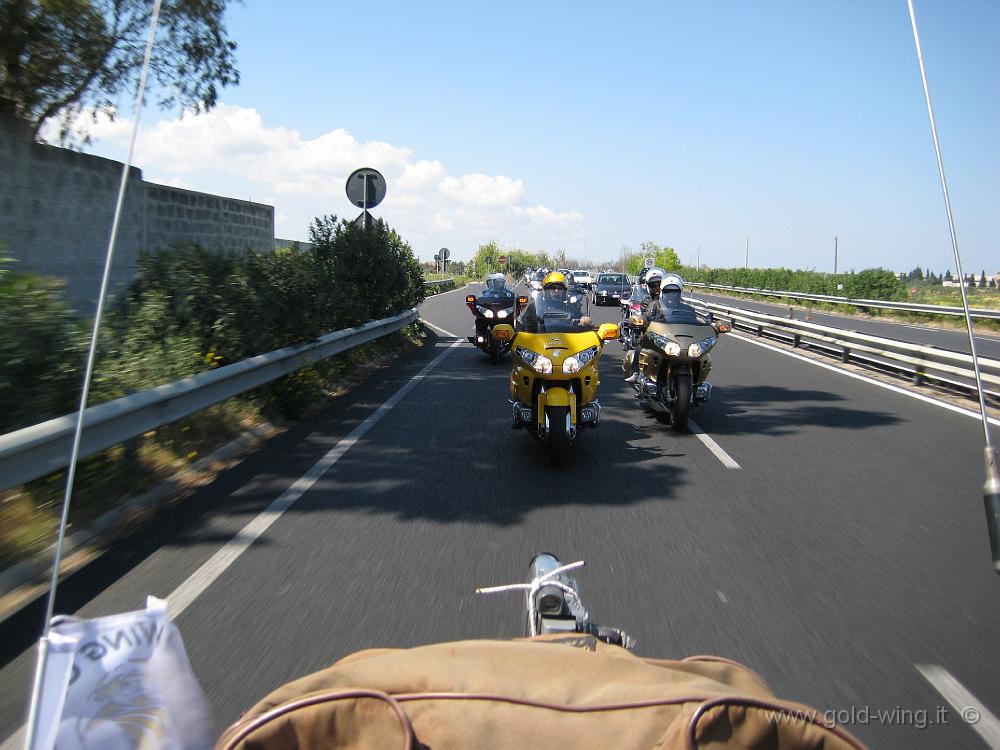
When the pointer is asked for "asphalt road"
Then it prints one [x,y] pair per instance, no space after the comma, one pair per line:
[848,548]
[987,342]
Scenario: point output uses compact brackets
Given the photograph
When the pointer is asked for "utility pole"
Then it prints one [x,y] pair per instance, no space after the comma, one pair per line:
[699,257]
[746,260]
[834,256]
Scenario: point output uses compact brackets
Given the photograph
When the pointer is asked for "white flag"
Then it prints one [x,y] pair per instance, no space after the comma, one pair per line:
[130,686]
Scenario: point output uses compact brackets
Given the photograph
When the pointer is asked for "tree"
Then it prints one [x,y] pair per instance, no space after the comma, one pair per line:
[78,56]
[947,275]
[875,283]
[982,279]
[663,257]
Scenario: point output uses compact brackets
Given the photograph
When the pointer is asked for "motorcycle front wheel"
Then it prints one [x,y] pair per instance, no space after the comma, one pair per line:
[680,410]
[494,350]
[558,434]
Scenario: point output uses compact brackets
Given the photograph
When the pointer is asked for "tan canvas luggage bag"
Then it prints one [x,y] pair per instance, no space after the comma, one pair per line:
[549,692]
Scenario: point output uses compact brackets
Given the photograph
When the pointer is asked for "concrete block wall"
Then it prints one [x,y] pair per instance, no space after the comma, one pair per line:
[57,205]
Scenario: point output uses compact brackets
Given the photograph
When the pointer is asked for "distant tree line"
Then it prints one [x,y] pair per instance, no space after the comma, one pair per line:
[920,275]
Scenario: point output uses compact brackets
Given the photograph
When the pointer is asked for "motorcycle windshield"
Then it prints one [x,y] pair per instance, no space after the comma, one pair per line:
[562,312]
[639,294]
[681,314]
[496,298]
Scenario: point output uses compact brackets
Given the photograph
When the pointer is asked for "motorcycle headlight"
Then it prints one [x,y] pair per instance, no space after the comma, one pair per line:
[587,354]
[487,312]
[502,314]
[574,363]
[668,345]
[539,362]
[699,348]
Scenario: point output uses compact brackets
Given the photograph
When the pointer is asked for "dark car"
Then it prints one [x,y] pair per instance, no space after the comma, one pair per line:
[610,288]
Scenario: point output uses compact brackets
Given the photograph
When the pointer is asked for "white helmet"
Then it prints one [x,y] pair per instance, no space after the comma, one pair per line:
[654,275]
[671,281]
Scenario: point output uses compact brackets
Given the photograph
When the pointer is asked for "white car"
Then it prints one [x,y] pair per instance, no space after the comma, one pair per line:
[583,278]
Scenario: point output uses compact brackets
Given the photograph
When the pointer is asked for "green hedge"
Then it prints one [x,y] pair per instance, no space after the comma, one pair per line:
[189,310]
[872,283]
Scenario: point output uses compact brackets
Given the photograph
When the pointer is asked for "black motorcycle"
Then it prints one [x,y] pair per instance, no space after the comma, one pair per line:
[633,317]
[490,307]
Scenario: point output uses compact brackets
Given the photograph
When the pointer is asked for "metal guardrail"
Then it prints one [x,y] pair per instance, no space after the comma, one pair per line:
[35,451]
[439,281]
[904,306]
[918,362]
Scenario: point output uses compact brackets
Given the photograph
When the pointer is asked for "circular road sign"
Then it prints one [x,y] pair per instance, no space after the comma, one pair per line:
[650,262]
[445,253]
[365,187]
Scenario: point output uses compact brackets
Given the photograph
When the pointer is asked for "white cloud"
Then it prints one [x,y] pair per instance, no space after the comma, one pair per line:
[544,215]
[231,151]
[482,190]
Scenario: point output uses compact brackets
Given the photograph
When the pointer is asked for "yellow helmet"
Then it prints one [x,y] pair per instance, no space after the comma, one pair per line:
[555,278]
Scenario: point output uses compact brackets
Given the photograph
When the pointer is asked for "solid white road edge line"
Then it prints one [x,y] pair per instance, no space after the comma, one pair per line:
[713,446]
[971,711]
[440,330]
[888,386]
[182,597]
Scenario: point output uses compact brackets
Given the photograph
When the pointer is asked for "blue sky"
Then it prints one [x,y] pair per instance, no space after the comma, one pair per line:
[572,125]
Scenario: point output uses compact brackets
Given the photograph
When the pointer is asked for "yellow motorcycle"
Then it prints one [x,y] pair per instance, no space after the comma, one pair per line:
[554,380]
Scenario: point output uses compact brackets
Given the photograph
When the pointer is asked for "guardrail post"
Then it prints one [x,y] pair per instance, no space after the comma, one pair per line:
[918,375]
[760,330]
[791,315]
[846,356]
[796,340]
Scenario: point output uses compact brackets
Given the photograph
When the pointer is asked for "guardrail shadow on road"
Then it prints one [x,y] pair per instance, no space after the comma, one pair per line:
[776,410]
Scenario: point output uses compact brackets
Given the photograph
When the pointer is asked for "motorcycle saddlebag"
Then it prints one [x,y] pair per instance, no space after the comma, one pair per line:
[552,692]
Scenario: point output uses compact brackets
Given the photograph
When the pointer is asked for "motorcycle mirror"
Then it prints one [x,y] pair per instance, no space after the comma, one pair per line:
[470,298]
[503,332]
[608,331]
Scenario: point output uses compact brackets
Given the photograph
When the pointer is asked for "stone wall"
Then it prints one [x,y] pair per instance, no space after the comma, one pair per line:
[57,206]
